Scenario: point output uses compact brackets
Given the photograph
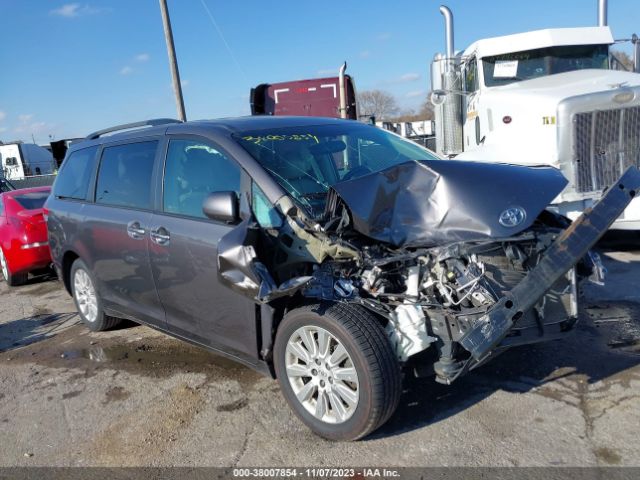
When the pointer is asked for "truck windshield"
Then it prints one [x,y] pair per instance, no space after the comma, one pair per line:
[306,161]
[517,66]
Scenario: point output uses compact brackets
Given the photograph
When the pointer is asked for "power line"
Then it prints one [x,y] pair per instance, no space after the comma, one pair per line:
[215,25]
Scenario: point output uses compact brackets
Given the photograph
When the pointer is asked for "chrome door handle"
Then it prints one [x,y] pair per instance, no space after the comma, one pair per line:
[135,231]
[160,236]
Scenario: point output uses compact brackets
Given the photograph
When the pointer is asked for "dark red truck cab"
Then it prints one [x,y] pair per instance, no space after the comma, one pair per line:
[317,97]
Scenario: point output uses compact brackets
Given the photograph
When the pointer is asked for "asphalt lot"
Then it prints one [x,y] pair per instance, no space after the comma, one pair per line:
[133,397]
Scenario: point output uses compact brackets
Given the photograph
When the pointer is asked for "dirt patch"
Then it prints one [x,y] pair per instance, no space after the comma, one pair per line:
[233,406]
[115,394]
[608,456]
[138,437]
[75,393]
[42,288]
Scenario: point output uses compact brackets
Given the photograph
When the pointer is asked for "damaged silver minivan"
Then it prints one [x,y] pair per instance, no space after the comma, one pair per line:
[331,254]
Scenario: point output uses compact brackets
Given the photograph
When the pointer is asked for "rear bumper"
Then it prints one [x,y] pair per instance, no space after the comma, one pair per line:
[567,250]
[23,260]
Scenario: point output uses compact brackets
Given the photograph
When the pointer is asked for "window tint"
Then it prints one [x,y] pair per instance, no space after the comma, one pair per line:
[33,200]
[193,170]
[75,174]
[125,172]
[1,207]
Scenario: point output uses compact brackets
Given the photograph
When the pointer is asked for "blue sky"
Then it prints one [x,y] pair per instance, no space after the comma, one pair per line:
[72,67]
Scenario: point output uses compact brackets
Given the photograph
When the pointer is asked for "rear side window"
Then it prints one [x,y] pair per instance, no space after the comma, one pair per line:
[124,178]
[75,174]
[32,201]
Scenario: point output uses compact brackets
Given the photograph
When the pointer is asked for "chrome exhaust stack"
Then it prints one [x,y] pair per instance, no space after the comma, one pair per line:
[603,10]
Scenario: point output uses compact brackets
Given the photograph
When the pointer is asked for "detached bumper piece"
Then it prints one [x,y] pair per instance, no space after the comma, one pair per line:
[560,257]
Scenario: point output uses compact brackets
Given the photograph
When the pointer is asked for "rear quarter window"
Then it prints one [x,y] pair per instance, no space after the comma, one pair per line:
[75,174]
[124,177]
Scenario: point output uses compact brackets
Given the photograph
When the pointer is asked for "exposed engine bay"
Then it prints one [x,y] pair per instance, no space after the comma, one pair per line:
[431,298]
[455,272]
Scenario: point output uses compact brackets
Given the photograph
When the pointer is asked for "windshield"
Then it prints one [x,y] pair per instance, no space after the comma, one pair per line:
[517,66]
[307,161]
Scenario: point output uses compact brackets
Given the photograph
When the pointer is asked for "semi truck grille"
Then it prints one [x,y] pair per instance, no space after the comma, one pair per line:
[606,143]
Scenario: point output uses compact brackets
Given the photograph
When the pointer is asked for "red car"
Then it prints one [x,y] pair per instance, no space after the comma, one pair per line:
[24,245]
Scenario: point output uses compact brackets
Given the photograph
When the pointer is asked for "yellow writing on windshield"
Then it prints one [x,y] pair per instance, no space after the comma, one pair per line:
[279,138]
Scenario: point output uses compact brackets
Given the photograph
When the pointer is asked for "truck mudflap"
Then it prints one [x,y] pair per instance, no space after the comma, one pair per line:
[560,257]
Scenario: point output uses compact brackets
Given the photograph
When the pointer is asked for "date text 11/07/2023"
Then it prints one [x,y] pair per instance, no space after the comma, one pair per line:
[315,473]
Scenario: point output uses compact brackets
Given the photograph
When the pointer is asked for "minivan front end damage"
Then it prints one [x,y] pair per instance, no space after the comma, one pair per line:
[450,299]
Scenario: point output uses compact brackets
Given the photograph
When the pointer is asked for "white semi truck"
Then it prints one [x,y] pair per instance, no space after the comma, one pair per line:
[543,97]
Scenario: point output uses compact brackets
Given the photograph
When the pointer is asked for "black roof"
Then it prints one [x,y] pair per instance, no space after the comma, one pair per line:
[223,126]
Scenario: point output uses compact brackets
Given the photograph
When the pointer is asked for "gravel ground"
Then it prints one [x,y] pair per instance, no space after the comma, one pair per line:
[135,397]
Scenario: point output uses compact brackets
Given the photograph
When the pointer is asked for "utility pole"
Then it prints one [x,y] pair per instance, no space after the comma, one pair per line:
[173,64]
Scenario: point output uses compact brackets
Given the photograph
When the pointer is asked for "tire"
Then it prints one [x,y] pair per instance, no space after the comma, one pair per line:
[87,299]
[327,408]
[12,279]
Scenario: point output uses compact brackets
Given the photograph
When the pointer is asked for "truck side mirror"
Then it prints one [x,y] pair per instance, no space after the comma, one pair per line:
[221,206]
[438,97]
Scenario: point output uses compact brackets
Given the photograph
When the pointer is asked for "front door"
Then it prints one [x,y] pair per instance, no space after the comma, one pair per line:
[183,250]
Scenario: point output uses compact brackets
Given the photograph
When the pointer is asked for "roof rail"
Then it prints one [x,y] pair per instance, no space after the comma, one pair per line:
[145,123]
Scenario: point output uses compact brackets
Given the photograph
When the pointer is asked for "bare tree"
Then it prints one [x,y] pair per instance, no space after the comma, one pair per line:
[425,112]
[377,103]
[623,60]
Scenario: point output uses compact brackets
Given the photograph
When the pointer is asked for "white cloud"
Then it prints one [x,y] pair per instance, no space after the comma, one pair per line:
[184,83]
[3,129]
[2,115]
[72,10]
[365,54]
[384,36]
[328,71]
[142,57]
[416,93]
[127,70]
[28,127]
[409,77]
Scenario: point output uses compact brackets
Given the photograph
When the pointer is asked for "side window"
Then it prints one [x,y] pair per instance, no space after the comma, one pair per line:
[75,174]
[265,212]
[124,178]
[471,76]
[193,170]
[1,207]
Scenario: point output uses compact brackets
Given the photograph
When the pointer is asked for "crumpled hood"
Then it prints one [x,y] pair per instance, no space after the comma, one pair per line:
[435,202]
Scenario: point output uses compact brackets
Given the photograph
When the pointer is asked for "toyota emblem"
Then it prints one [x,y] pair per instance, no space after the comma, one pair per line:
[512,217]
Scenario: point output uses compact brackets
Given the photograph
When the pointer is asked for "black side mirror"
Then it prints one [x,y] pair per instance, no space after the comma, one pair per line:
[221,206]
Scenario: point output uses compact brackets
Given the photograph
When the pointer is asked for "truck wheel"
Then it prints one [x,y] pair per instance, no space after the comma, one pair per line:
[337,370]
[87,299]
[13,280]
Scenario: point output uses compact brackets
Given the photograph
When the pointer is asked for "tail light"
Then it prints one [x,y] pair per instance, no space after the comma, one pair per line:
[22,224]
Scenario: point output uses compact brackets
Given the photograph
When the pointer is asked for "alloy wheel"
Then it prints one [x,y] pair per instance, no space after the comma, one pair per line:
[322,374]
[85,295]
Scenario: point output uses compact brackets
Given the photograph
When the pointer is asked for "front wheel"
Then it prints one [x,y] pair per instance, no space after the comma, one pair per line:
[337,370]
[87,299]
